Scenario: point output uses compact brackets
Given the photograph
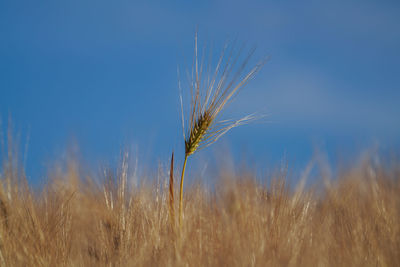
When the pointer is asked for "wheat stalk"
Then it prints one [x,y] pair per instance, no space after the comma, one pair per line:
[220,87]
[171,192]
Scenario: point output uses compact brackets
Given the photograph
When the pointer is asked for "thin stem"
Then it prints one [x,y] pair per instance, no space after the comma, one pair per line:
[181,192]
[171,193]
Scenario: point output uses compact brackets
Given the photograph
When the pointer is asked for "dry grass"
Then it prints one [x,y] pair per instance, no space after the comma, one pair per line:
[353,221]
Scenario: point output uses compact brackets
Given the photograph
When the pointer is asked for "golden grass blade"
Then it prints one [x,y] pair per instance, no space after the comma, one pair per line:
[171,192]
[181,102]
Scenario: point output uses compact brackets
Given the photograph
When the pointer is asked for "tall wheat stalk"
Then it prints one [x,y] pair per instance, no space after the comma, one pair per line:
[171,193]
[210,93]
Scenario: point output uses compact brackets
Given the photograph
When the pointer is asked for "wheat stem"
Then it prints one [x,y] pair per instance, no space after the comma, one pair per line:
[181,192]
[171,193]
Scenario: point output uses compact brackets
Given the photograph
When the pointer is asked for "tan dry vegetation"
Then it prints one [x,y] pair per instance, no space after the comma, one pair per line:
[353,221]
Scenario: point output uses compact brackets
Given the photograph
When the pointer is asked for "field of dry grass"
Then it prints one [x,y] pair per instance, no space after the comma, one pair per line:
[352,220]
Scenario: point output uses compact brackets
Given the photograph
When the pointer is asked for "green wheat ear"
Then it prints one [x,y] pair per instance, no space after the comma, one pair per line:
[197,133]
[220,87]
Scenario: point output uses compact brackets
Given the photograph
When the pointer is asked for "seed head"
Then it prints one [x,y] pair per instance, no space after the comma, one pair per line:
[212,92]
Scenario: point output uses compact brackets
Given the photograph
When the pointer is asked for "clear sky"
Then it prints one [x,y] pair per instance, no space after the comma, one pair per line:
[102,74]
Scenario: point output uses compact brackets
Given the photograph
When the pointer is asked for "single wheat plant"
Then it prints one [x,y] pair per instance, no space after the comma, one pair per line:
[210,92]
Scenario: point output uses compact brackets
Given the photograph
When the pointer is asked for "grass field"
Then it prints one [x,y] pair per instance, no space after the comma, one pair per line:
[351,220]
[78,219]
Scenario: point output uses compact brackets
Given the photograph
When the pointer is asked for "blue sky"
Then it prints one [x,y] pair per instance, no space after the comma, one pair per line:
[102,74]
